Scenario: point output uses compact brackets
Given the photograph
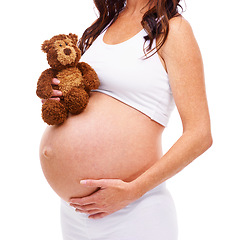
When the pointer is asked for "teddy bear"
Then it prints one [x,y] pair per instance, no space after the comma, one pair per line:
[76,78]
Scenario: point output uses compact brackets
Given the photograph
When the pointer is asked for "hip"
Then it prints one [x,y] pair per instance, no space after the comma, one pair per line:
[153,216]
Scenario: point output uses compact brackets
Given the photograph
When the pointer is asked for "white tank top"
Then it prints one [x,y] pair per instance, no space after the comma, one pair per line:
[125,75]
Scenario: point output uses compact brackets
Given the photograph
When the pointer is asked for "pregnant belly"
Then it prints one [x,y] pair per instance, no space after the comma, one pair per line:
[108,140]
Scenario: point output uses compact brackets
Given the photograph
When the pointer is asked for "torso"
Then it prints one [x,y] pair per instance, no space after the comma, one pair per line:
[108,140]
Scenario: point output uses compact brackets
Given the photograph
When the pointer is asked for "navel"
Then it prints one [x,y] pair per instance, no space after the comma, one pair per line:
[47,152]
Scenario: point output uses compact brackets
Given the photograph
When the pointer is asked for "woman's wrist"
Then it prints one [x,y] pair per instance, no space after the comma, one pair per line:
[148,180]
[138,189]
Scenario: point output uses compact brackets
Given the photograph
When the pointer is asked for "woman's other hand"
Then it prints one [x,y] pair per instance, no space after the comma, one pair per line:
[56,94]
[113,195]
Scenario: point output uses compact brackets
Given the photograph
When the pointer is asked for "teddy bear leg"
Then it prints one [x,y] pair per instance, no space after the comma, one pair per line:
[53,112]
[76,100]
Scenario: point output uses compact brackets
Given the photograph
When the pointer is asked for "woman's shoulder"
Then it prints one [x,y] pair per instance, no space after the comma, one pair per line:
[179,25]
[180,37]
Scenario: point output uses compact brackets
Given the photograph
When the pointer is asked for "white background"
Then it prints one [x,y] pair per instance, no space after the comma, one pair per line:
[209,193]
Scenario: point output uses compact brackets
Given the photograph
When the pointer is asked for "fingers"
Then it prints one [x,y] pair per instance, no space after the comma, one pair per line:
[103,183]
[99,215]
[55,93]
[82,201]
[93,183]
[44,100]
[55,81]
[91,210]
[84,207]
[55,96]
[94,214]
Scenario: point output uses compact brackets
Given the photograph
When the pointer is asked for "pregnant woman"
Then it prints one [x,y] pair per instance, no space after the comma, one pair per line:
[106,163]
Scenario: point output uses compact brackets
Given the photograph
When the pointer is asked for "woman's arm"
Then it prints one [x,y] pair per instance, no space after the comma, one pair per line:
[185,68]
[183,60]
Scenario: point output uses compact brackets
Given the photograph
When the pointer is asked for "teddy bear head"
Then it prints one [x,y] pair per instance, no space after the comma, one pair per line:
[62,51]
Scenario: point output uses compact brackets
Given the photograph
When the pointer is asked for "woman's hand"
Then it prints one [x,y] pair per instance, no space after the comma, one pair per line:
[56,93]
[113,195]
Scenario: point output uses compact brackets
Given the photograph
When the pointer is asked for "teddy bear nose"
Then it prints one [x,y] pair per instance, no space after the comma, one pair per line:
[67,51]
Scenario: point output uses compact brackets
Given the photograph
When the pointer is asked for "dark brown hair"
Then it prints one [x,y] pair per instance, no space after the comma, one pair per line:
[155,21]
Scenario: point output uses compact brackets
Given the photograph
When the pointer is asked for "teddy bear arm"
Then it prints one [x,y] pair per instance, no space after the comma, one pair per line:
[90,76]
[44,84]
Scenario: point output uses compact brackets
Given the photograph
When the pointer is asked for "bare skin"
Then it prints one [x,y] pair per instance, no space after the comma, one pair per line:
[107,140]
[182,59]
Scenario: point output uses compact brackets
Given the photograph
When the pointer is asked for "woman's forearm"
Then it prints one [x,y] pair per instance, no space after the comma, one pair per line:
[188,147]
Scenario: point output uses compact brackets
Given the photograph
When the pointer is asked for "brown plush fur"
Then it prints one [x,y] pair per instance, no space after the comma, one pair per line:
[77,79]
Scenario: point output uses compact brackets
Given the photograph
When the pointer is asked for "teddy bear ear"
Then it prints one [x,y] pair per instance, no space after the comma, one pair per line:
[46,46]
[73,37]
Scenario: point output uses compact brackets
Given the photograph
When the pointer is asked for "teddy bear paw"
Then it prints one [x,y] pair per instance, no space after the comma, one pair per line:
[53,112]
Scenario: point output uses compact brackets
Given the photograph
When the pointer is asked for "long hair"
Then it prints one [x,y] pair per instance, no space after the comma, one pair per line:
[155,21]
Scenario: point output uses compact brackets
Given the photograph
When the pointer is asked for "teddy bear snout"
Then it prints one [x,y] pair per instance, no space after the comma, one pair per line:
[67,51]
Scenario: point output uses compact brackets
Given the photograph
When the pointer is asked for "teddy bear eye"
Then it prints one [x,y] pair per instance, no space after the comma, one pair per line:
[60,45]
[66,44]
